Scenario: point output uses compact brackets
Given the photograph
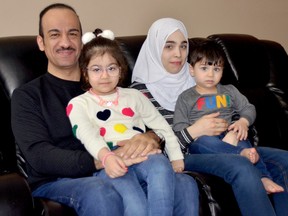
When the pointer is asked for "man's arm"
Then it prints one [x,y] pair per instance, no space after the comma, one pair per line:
[65,158]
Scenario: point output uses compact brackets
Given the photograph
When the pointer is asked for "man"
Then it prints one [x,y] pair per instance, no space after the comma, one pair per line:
[58,166]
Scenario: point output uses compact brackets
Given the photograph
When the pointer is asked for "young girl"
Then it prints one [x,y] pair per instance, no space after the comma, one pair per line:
[106,114]
[209,96]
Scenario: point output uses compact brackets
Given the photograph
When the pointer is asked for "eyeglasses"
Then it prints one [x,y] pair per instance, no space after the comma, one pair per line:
[112,70]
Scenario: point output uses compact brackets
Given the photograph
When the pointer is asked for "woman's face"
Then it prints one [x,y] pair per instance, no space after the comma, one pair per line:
[175,52]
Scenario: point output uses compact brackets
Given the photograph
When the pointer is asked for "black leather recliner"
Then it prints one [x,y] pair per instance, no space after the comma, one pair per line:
[256,67]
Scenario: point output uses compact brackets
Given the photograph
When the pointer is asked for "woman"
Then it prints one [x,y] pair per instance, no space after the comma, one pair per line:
[161,72]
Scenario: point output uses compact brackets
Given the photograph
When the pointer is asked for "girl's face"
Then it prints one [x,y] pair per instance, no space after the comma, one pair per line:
[175,52]
[103,74]
[206,76]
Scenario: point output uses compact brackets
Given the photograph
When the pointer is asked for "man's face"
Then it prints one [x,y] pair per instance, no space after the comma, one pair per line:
[62,39]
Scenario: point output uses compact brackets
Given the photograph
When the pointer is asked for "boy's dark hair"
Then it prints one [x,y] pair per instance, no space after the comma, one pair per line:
[208,50]
[100,46]
[55,6]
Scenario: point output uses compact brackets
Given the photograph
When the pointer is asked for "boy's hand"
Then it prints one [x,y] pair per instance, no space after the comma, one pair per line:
[241,128]
[209,125]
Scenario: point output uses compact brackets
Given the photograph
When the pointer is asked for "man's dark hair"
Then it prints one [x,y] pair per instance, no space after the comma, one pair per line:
[53,6]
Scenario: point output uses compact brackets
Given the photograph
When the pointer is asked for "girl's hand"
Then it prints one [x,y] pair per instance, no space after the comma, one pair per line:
[115,166]
[178,166]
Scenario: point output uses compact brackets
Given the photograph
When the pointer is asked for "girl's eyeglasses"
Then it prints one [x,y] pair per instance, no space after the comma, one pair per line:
[97,71]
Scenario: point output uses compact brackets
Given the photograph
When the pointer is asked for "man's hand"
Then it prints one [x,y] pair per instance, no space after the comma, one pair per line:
[131,161]
[138,146]
[128,162]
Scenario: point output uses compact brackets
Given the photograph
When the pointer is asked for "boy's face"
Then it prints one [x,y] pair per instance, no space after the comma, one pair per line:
[174,53]
[207,75]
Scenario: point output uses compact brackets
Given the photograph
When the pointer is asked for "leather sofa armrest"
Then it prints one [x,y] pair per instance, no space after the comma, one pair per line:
[216,197]
[208,205]
[45,207]
[15,195]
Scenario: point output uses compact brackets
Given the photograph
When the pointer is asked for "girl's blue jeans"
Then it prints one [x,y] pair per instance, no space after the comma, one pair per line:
[159,176]
[149,188]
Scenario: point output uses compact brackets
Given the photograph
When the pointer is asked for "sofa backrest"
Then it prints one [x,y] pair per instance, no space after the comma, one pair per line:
[130,46]
[20,61]
[256,67]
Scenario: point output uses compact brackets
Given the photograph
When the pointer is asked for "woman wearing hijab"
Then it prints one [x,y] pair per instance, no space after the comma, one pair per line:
[161,72]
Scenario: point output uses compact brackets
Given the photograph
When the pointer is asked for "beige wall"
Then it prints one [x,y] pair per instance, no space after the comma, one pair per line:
[265,19]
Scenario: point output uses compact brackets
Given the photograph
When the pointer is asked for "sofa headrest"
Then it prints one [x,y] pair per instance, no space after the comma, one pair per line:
[247,58]
[21,61]
[278,60]
[130,46]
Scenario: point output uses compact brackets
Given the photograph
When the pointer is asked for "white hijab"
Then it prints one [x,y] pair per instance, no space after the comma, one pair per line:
[164,86]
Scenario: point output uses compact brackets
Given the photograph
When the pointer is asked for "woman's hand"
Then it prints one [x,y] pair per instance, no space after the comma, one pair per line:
[208,125]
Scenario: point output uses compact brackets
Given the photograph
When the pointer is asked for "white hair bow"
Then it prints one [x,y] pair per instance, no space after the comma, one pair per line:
[88,36]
